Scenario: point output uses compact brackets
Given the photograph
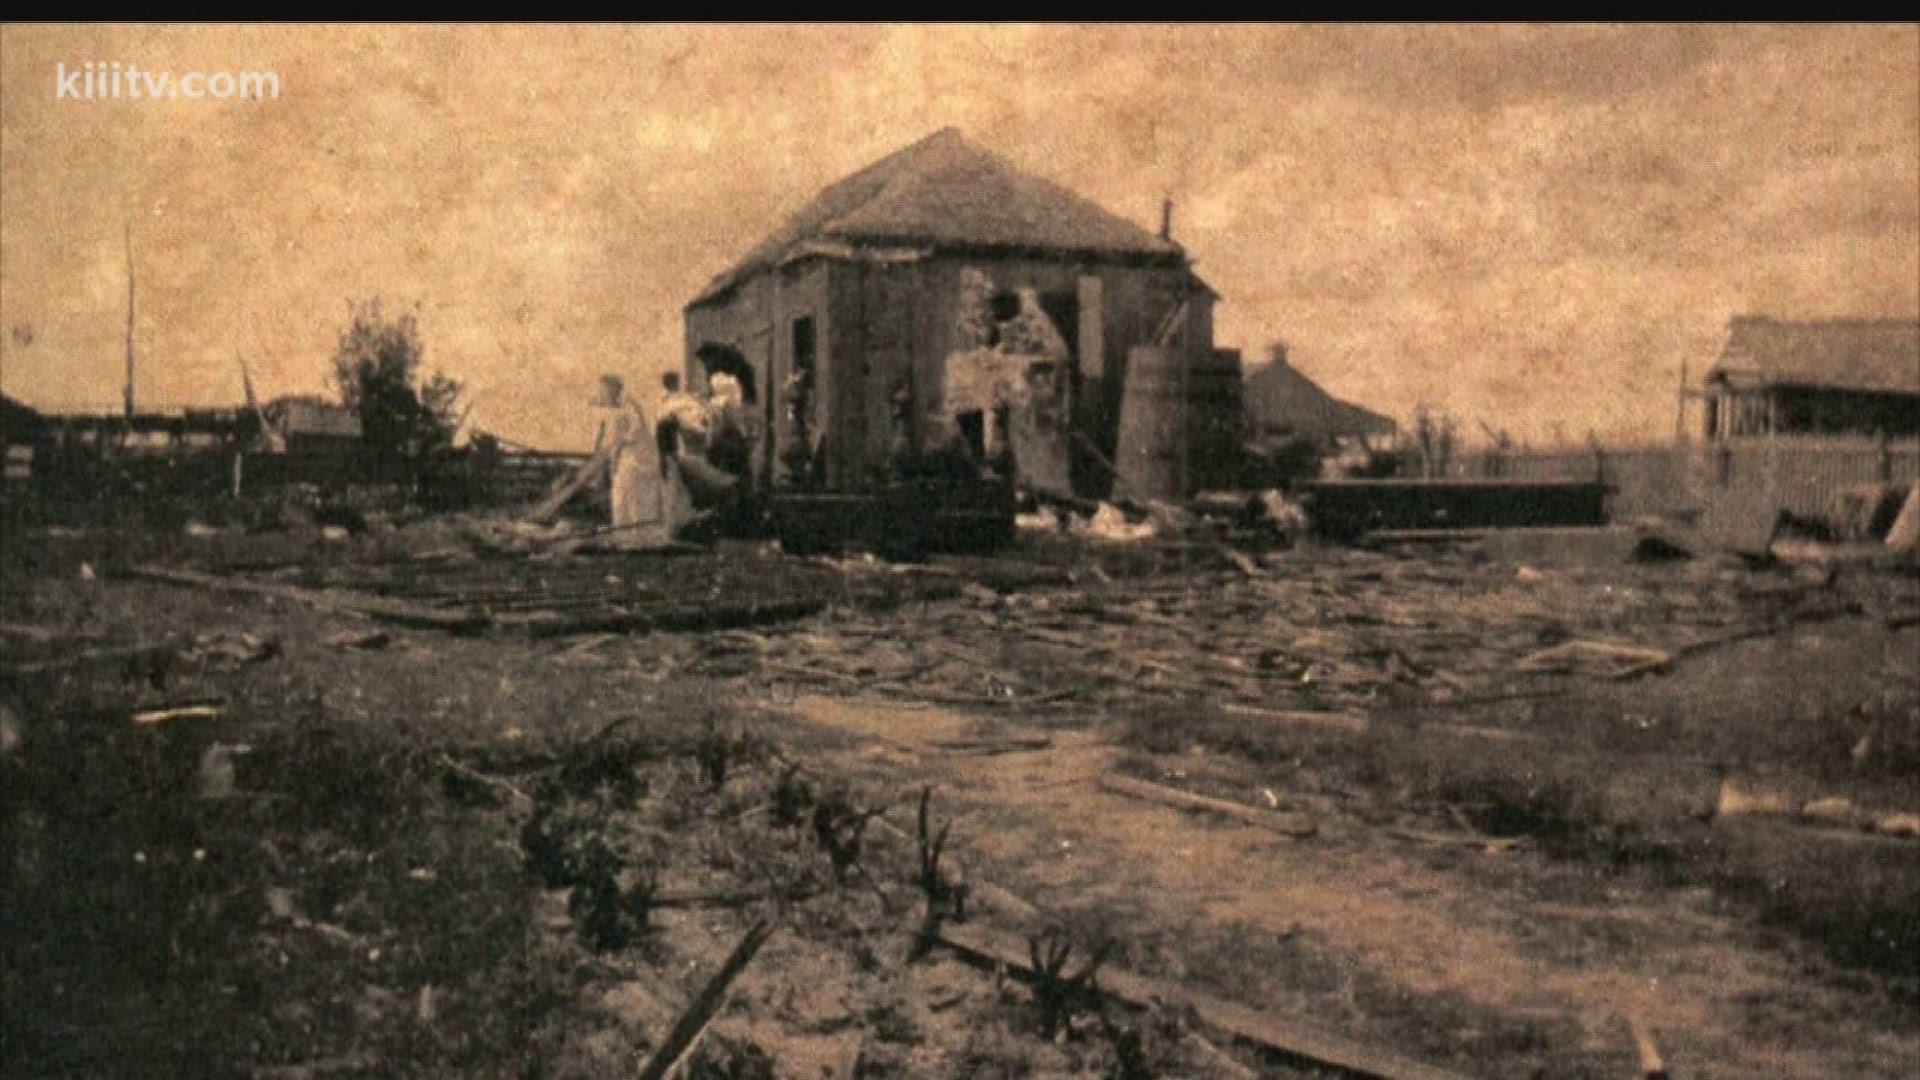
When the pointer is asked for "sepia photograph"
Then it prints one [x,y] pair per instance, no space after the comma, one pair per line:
[1102,551]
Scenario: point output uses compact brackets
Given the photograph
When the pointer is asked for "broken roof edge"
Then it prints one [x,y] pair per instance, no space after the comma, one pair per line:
[897,192]
[885,249]
[1756,377]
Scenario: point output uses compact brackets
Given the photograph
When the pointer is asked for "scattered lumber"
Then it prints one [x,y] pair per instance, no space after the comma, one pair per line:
[685,1035]
[1288,824]
[705,900]
[33,632]
[1652,1065]
[987,746]
[1574,655]
[1339,721]
[194,711]
[458,620]
[1287,1038]
[564,489]
[520,800]
[1475,731]
[119,654]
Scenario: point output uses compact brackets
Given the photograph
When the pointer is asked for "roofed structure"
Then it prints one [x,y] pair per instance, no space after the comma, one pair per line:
[1877,355]
[1281,400]
[864,320]
[945,191]
[1821,377]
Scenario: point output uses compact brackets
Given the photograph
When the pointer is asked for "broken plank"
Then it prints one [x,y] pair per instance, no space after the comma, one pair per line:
[678,617]
[1339,721]
[1474,731]
[679,1042]
[1285,1037]
[338,601]
[32,632]
[1571,652]
[196,711]
[122,654]
[1652,1065]
[995,746]
[1284,823]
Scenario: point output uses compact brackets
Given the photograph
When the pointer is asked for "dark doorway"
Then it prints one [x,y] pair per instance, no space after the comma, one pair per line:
[716,359]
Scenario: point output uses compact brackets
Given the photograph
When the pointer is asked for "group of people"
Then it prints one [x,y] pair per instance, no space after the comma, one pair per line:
[651,460]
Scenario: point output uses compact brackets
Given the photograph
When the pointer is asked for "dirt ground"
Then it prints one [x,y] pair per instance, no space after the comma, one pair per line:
[389,851]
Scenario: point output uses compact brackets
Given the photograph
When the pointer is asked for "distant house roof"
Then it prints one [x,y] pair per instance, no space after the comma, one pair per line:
[1840,354]
[946,191]
[311,416]
[1282,400]
[18,422]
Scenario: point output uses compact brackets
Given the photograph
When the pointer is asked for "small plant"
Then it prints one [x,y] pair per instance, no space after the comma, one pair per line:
[1056,994]
[945,898]
[1129,1050]
[613,875]
[792,796]
[720,750]
[839,827]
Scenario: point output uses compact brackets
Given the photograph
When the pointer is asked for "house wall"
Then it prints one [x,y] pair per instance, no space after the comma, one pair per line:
[884,324]
[743,322]
[1134,302]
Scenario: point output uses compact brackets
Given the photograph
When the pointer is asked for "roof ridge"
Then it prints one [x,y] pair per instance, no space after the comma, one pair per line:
[945,189]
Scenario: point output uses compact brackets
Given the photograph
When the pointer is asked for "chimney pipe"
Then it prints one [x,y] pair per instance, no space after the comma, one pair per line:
[1166,219]
[1279,354]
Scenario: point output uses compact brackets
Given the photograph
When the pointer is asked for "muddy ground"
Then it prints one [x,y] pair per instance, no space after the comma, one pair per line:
[353,849]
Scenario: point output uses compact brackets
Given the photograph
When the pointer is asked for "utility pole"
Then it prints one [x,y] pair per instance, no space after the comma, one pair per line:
[130,299]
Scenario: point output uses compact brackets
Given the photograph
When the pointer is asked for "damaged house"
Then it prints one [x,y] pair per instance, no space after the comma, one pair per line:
[1835,377]
[941,301]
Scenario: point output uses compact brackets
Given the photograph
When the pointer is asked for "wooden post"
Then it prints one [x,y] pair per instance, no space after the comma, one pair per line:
[129,386]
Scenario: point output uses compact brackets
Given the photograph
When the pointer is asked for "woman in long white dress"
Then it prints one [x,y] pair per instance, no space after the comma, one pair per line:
[636,485]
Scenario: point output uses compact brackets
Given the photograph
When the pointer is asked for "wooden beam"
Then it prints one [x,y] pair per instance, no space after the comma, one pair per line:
[1285,823]
[333,600]
[1287,1038]
[680,1041]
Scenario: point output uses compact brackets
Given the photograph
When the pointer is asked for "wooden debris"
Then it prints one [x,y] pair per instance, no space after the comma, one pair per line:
[1006,745]
[679,1043]
[1288,824]
[1474,731]
[1652,1065]
[1242,562]
[1338,721]
[129,655]
[570,485]
[1489,844]
[520,800]
[360,639]
[1287,1038]
[398,611]
[1573,655]
[198,711]
[46,633]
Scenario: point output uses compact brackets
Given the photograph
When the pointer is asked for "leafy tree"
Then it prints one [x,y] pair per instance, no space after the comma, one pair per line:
[404,420]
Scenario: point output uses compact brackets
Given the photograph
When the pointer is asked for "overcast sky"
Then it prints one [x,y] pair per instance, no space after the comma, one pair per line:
[1532,226]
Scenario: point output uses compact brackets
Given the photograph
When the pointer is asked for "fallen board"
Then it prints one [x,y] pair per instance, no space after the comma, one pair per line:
[398,611]
[1287,1038]
[1286,823]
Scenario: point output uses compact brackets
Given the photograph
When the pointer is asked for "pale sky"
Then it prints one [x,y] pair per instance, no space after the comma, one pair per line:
[1535,227]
